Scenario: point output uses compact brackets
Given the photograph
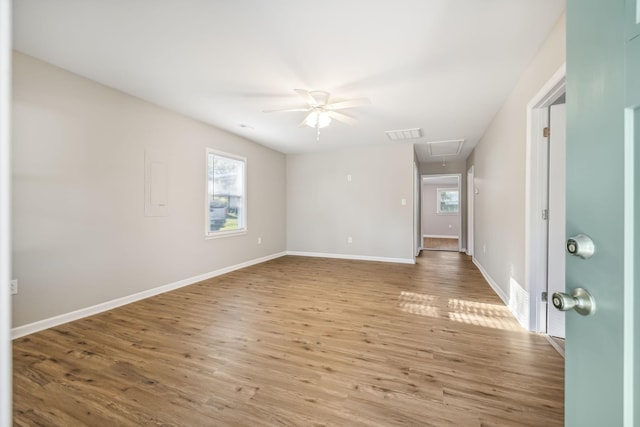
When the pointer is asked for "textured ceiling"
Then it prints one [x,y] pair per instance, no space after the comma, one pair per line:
[445,66]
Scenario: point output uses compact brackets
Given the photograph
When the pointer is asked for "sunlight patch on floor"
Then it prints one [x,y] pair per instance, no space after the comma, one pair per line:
[482,314]
[495,316]
[421,304]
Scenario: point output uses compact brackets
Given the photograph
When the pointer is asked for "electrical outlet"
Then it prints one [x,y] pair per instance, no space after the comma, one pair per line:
[259,240]
[349,178]
[14,286]
[349,239]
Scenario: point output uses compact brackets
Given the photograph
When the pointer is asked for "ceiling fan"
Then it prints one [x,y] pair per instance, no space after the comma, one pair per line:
[321,111]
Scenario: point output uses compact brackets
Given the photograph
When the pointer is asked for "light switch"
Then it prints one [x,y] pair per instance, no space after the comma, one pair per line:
[403,202]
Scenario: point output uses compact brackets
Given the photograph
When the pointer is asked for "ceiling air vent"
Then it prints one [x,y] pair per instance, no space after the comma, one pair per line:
[445,148]
[404,134]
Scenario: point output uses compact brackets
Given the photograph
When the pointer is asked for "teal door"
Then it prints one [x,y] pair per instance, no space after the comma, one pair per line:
[603,202]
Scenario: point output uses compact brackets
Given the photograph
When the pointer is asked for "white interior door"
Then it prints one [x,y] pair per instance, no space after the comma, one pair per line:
[557,216]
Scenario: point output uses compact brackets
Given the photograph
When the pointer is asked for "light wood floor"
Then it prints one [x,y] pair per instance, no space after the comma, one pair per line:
[298,341]
[440,244]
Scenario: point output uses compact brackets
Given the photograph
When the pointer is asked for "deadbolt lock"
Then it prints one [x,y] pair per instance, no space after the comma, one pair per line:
[581,245]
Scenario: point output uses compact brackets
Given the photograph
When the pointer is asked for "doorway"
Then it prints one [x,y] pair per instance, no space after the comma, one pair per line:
[556,219]
[441,212]
[545,217]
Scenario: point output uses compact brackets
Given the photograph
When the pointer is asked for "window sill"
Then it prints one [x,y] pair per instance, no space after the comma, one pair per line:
[223,234]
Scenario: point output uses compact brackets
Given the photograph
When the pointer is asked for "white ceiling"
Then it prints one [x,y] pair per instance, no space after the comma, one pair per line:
[445,66]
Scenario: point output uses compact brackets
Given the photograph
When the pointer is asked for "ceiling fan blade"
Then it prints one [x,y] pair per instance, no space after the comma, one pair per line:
[306,95]
[280,110]
[315,98]
[347,104]
[303,123]
[341,117]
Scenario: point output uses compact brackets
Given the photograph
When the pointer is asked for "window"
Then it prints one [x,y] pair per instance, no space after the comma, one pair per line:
[448,201]
[226,194]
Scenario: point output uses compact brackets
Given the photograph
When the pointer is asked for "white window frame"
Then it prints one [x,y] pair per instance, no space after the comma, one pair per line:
[226,233]
[442,190]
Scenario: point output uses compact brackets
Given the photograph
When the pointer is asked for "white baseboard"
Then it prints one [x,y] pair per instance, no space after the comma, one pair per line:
[555,345]
[40,325]
[511,304]
[497,289]
[439,236]
[353,257]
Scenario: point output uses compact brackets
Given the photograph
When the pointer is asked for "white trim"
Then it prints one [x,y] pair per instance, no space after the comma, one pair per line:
[439,236]
[470,208]
[630,269]
[509,302]
[535,198]
[40,325]
[353,257]
[497,289]
[555,345]
[417,231]
[226,233]
[5,214]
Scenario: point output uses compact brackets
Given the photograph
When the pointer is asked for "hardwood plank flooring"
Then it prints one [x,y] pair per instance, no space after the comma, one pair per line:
[298,341]
[440,244]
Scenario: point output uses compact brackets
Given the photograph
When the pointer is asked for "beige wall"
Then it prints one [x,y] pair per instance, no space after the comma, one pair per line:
[324,209]
[500,162]
[80,236]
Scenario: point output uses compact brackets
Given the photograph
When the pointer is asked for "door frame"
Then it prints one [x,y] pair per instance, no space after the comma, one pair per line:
[470,207]
[5,211]
[535,266]
[557,218]
[458,176]
[417,212]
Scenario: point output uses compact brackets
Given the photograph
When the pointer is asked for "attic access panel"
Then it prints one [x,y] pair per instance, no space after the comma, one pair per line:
[445,148]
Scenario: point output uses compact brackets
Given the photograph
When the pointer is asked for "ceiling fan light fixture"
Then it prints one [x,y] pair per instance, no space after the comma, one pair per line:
[317,119]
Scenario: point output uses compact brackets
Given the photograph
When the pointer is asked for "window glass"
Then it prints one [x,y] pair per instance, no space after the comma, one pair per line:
[226,188]
[448,201]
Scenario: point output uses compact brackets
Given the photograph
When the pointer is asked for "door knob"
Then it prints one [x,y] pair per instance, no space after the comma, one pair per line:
[580,300]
